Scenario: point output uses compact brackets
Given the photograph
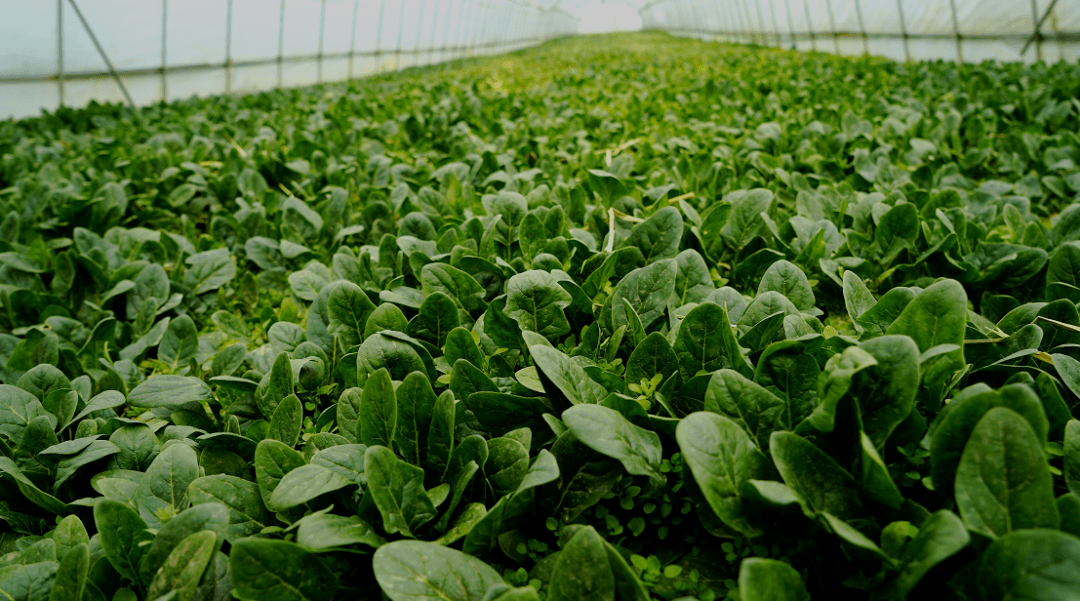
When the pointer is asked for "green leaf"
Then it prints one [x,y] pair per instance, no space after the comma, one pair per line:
[763,579]
[277,570]
[658,236]
[886,390]
[755,409]
[820,483]
[416,402]
[184,567]
[652,356]
[646,290]
[247,515]
[440,437]
[378,410]
[209,270]
[420,571]
[30,490]
[706,342]
[438,315]
[349,308]
[567,377]
[273,460]
[787,279]
[1040,565]
[168,391]
[607,431]
[722,458]
[286,421]
[745,222]
[71,574]
[381,351]
[322,531]
[163,490]
[17,409]
[582,570]
[940,536]
[124,536]
[180,342]
[1003,482]
[536,302]
[398,491]
[303,484]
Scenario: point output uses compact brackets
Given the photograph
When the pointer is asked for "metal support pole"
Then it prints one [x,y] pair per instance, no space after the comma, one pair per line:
[462,20]
[352,37]
[434,25]
[322,34]
[862,29]
[1035,30]
[164,50]
[419,30]
[400,36]
[101,52]
[378,38]
[832,27]
[775,24]
[1036,35]
[444,46]
[281,47]
[810,26]
[791,24]
[761,23]
[956,32]
[60,51]
[903,30]
[228,46]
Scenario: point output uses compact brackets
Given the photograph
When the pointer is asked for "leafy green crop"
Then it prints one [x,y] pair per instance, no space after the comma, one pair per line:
[623,317]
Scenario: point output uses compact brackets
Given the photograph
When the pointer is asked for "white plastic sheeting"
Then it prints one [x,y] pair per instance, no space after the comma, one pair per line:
[173,49]
[956,30]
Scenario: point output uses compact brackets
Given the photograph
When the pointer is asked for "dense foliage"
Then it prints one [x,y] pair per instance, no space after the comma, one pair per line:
[626,317]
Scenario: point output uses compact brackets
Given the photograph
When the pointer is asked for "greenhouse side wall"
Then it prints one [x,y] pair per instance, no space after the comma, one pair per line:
[955,30]
[53,52]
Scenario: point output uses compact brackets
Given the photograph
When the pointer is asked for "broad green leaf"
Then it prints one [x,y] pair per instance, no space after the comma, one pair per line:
[567,377]
[163,490]
[321,531]
[273,460]
[1003,482]
[420,571]
[820,483]
[168,391]
[646,289]
[124,536]
[286,421]
[378,410]
[398,490]
[247,515]
[70,582]
[722,458]
[787,279]
[304,484]
[607,431]
[184,566]
[277,570]
[1036,564]
[763,579]
[756,410]
[706,343]
[940,536]
[536,302]
[348,307]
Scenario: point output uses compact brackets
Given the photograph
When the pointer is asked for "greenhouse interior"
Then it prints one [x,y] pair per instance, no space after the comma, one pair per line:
[523,300]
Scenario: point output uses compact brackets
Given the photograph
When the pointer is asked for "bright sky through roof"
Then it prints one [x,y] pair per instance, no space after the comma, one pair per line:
[600,16]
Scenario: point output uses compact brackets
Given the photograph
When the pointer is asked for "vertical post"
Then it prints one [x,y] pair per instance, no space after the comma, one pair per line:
[761,22]
[378,38]
[164,50]
[810,26]
[352,37]
[60,51]
[228,46]
[791,24]
[281,47]
[956,32]
[903,30]
[400,35]
[322,34]
[446,31]
[1035,30]
[832,27]
[434,26]
[419,30]
[775,24]
[862,29]
[462,21]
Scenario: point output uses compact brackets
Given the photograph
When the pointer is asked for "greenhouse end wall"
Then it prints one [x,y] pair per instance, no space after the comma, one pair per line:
[54,51]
